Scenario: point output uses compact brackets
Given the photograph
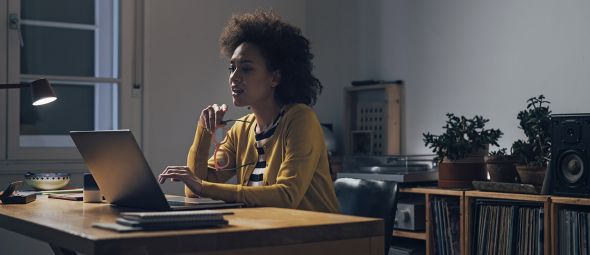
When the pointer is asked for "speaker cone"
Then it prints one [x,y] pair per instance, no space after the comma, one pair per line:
[571,166]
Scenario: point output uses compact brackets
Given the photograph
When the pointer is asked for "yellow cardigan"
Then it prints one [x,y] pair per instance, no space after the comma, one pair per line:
[297,174]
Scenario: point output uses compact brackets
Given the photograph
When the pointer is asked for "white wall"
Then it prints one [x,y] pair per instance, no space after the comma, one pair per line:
[184,71]
[483,57]
[335,42]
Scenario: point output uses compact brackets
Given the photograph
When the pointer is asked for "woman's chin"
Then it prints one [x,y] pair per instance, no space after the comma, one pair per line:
[237,103]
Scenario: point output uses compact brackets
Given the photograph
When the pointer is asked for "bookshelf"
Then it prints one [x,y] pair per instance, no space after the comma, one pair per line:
[410,234]
[557,203]
[472,196]
[551,205]
[428,193]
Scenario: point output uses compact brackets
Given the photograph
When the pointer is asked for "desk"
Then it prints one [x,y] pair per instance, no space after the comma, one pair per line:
[66,226]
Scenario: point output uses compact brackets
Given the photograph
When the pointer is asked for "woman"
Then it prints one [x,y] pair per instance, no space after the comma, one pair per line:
[277,151]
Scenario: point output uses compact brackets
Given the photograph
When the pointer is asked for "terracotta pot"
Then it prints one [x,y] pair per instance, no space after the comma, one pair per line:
[460,173]
[531,175]
[501,169]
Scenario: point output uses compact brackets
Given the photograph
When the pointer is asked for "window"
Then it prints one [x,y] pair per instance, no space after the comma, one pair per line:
[86,49]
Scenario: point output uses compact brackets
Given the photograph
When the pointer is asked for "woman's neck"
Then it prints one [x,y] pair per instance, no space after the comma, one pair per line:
[266,114]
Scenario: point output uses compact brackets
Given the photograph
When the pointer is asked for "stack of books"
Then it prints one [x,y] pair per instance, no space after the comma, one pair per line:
[173,220]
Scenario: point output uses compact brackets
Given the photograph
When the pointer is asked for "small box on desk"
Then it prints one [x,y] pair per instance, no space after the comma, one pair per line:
[19,199]
[10,196]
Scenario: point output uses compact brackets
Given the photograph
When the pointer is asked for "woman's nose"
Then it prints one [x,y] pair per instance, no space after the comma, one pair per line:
[234,76]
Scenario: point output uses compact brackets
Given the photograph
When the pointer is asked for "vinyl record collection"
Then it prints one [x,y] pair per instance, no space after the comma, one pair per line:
[446,225]
[573,235]
[502,227]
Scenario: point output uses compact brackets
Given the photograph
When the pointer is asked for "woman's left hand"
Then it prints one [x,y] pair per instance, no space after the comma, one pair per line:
[184,174]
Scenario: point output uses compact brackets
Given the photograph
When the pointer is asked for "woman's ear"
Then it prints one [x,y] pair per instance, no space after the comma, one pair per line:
[276,78]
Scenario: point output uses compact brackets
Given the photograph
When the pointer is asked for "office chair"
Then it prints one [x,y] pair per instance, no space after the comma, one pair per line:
[369,198]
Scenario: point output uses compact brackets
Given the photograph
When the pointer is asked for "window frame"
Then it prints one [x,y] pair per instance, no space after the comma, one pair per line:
[3,77]
[19,159]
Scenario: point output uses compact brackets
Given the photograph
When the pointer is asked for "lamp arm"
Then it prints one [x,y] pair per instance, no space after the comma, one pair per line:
[14,86]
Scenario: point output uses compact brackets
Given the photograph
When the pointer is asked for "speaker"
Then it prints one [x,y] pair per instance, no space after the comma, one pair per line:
[570,154]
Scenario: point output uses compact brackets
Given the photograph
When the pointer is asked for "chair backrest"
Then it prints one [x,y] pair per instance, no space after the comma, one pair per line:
[369,198]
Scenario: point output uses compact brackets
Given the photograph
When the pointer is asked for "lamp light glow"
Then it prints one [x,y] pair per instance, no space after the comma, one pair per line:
[45,100]
[41,91]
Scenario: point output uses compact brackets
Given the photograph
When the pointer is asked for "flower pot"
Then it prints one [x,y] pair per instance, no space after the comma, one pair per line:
[531,175]
[457,174]
[501,169]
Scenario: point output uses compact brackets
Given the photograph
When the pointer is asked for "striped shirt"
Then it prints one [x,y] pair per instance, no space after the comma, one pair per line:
[257,176]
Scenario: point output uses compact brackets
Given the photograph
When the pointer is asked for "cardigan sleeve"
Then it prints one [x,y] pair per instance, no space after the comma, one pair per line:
[304,144]
[199,162]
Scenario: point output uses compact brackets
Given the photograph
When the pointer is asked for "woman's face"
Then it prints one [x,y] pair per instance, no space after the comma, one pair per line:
[251,83]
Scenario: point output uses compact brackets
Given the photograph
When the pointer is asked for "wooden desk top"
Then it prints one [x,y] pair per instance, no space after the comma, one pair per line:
[67,224]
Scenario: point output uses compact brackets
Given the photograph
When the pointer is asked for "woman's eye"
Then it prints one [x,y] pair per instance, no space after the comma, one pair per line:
[231,69]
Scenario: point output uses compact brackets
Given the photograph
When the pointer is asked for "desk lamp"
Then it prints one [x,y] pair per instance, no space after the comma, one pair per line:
[41,91]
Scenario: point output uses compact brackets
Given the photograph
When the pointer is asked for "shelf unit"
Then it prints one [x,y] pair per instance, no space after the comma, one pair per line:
[410,234]
[556,203]
[551,205]
[471,196]
[428,235]
[372,121]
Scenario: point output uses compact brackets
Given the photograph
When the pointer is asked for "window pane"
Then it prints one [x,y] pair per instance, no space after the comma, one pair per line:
[69,11]
[78,107]
[74,110]
[57,51]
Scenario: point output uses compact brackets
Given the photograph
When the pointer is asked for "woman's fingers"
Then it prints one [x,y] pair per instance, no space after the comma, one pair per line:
[202,119]
[175,176]
[181,173]
[211,119]
[220,111]
[218,115]
[205,117]
[170,169]
[212,116]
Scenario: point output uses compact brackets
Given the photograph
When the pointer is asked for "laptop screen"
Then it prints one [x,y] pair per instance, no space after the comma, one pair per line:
[117,164]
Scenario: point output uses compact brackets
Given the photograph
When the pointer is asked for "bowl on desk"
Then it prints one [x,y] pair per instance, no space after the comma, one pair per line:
[47,181]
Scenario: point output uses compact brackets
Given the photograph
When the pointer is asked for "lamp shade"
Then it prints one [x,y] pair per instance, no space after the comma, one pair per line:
[42,92]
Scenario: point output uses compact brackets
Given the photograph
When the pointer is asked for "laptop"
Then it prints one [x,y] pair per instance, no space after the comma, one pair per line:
[124,176]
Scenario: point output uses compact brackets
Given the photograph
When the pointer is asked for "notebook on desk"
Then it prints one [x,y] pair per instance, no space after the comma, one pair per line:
[124,176]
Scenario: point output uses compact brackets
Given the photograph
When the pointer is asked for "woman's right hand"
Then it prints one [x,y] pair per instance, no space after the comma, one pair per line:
[184,174]
[212,117]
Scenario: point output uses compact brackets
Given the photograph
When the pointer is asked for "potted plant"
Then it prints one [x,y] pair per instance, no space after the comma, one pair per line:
[501,166]
[460,150]
[535,150]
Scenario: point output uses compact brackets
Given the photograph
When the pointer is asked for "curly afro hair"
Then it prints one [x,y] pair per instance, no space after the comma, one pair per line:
[283,47]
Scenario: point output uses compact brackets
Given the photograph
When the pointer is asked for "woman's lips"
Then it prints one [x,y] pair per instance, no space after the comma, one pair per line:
[236,91]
